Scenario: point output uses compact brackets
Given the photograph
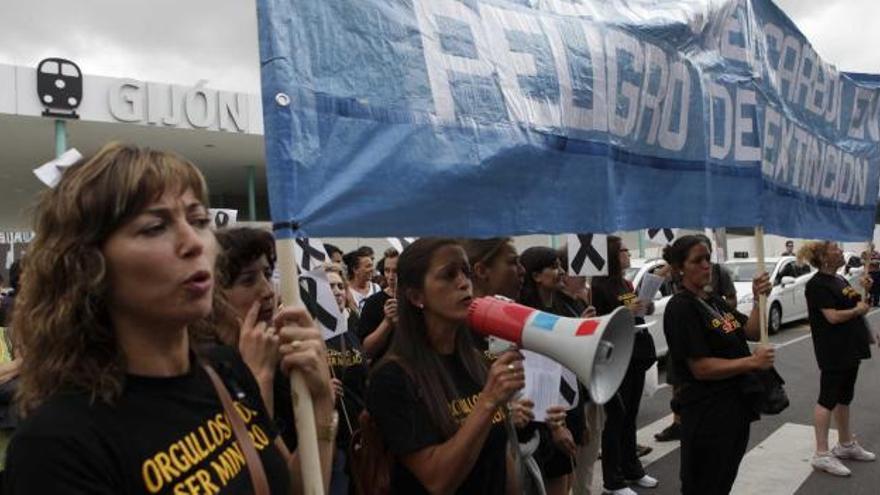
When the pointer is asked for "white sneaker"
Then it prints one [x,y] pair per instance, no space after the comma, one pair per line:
[830,464]
[645,482]
[852,451]
[620,491]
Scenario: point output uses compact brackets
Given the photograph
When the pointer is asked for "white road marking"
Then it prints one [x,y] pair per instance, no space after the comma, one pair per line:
[781,463]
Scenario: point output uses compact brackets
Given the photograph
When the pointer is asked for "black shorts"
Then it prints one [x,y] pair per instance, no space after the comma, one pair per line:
[837,387]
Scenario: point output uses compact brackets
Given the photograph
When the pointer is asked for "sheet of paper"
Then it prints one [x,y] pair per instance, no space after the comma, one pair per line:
[542,383]
[650,285]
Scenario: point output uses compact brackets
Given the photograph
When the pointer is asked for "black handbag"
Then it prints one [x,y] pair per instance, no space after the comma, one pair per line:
[763,388]
[772,398]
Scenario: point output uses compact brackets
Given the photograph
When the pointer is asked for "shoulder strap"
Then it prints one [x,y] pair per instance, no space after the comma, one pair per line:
[714,312]
[254,464]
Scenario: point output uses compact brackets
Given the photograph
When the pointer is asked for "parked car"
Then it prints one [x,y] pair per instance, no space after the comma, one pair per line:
[635,274]
[787,301]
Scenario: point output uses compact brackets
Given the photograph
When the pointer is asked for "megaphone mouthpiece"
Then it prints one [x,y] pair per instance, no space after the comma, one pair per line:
[505,319]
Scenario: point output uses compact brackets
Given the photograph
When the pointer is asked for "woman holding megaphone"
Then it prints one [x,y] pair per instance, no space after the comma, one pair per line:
[439,410]
[711,358]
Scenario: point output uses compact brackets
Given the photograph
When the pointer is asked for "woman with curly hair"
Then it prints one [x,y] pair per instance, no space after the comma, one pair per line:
[841,342]
[115,400]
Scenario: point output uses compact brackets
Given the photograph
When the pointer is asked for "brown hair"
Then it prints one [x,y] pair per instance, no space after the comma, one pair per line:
[409,342]
[814,253]
[61,312]
[241,246]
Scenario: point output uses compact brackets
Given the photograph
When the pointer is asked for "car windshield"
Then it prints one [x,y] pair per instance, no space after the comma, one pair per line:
[630,273]
[744,271]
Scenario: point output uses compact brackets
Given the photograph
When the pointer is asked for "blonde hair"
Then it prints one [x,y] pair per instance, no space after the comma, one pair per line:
[61,311]
[814,253]
[339,270]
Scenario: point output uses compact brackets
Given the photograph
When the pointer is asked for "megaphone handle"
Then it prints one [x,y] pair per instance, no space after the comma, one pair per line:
[519,472]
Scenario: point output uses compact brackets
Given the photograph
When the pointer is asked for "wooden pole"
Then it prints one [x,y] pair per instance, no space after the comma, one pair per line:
[866,272]
[762,268]
[303,409]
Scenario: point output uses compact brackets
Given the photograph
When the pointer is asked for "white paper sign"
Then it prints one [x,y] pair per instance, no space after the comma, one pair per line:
[587,254]
[400,243]
[50,172]
[309,253]
[543,376]
[319,297]
[650,284]
[662,237]
[222,217]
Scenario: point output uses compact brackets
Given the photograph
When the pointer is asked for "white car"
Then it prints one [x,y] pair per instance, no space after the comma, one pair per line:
[635,273]
[787,301]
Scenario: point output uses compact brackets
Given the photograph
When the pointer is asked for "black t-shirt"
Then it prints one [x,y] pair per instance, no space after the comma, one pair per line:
[163,435]
[692,332]
[346,357]
[372,315]
[839,346]
[608,295]
[402,417]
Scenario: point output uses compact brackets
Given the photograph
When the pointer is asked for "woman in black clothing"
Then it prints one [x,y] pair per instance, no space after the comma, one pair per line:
[439,411]
[348,365]
[620,460]
[708,348]
[115,400]
[542,289]
[841,341]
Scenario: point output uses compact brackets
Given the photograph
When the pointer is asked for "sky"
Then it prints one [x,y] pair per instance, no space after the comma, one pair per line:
[185,41]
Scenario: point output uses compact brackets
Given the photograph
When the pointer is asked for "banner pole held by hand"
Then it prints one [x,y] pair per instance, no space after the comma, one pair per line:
[303,409]
[762,268]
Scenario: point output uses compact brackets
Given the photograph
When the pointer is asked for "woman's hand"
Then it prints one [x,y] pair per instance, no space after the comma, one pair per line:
[862,308]
[761,286]
[555,416]
[590,312]
[522,412]
[764,357]
[559,433]
[302,350]
[338,389]
[258,345]
[638,307]
[506,378]
[391,311]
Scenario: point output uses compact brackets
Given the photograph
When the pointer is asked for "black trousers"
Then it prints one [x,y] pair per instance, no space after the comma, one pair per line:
[714,437]
[620,461]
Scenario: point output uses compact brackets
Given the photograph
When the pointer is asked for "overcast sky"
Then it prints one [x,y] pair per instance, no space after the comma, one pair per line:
[184,41]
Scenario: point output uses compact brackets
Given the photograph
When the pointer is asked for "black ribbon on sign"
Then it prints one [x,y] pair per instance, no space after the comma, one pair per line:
[586,251]
[221,219]
[567,392]
[403,242]
[309,252]
[667,233]
[324,317]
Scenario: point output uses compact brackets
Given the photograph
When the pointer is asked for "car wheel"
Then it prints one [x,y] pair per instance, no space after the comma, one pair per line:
[775,320]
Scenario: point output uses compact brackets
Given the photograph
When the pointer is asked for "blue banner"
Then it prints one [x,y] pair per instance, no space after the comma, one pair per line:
[500,117]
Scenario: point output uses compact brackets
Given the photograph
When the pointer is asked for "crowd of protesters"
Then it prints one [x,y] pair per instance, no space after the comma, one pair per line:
[148,353]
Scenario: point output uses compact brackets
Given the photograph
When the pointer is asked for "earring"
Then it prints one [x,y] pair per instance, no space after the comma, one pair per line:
[421,306]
